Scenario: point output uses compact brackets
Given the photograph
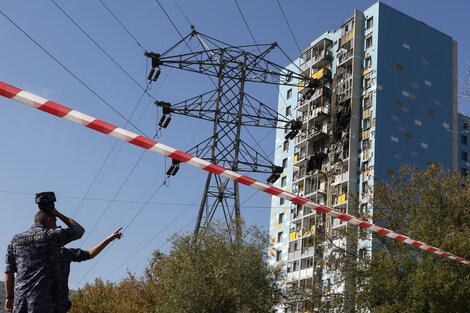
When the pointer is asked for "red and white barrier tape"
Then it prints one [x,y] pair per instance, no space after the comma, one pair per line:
[56,109]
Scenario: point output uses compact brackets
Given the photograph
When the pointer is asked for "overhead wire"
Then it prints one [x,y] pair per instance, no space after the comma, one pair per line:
[288,25]
[122,25]
[104,162]
[70,72]
[181,10]
[99,46]
[246,23]
[59,196]
[154,237]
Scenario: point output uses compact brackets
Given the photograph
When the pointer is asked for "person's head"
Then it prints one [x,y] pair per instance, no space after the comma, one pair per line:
[46,219]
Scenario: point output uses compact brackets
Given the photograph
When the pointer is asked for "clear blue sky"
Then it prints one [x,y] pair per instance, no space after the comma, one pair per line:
[40,152]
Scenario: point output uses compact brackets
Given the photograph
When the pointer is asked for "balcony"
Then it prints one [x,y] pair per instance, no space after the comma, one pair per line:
[319,114]
[319,59]
[341,178]
[319,132]
[323,74]
[309,192]
[344,57]
[299,157]
[303,118]
[321,92]
[300,138]
[298,175]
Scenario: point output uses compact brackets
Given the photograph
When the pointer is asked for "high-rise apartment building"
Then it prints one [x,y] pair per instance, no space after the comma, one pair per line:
[384,94]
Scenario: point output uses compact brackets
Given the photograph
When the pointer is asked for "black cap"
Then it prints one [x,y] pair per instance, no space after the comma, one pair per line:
[45,197]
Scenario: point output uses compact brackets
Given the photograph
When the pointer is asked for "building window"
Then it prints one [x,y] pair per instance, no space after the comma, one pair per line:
[288,111]
[464,139]
[283,181]
[362,253]
[464,171]
[284,163]
[366,123]
[368,62]
[367,82]
[279,237]
[278,255]
[464,156]
[282,201]
[286,145]
[368,101]
[289,93]
[369,42]
[370,22]
[465,125]
[281,218]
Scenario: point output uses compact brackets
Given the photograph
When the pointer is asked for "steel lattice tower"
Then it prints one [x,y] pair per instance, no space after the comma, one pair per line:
[230,108]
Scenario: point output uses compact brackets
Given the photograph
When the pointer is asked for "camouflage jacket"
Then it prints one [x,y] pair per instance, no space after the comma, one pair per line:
[32,256]
[67,256]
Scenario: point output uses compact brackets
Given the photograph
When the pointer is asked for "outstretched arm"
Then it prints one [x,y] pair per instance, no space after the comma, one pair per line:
[99,247]
[9,290]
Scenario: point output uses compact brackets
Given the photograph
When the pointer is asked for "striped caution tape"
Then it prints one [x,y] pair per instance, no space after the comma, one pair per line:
[77,117]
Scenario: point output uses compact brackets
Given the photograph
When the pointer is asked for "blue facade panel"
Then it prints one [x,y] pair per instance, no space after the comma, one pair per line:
[414,94]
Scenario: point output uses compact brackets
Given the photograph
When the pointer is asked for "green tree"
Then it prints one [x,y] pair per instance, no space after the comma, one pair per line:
[210,273]
[217,274]
[432,206]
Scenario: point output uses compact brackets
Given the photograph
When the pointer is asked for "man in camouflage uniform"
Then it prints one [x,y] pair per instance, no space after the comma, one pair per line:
[63,268]
[32,256]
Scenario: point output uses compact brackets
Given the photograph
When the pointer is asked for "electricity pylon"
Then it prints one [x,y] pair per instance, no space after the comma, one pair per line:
[230,108]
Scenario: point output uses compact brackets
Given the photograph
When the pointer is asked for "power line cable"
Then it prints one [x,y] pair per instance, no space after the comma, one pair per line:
[171,21]
[122,25]
[105,161]
[246,24]
[153,238]
[164,244]
[71,73]
[115,195]
[105,252]
[98,46]
[181,10]
[124,201]
[145,204]
[288,25]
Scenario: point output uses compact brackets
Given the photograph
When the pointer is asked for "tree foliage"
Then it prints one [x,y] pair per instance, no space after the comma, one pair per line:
[432,206]
[210,273]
